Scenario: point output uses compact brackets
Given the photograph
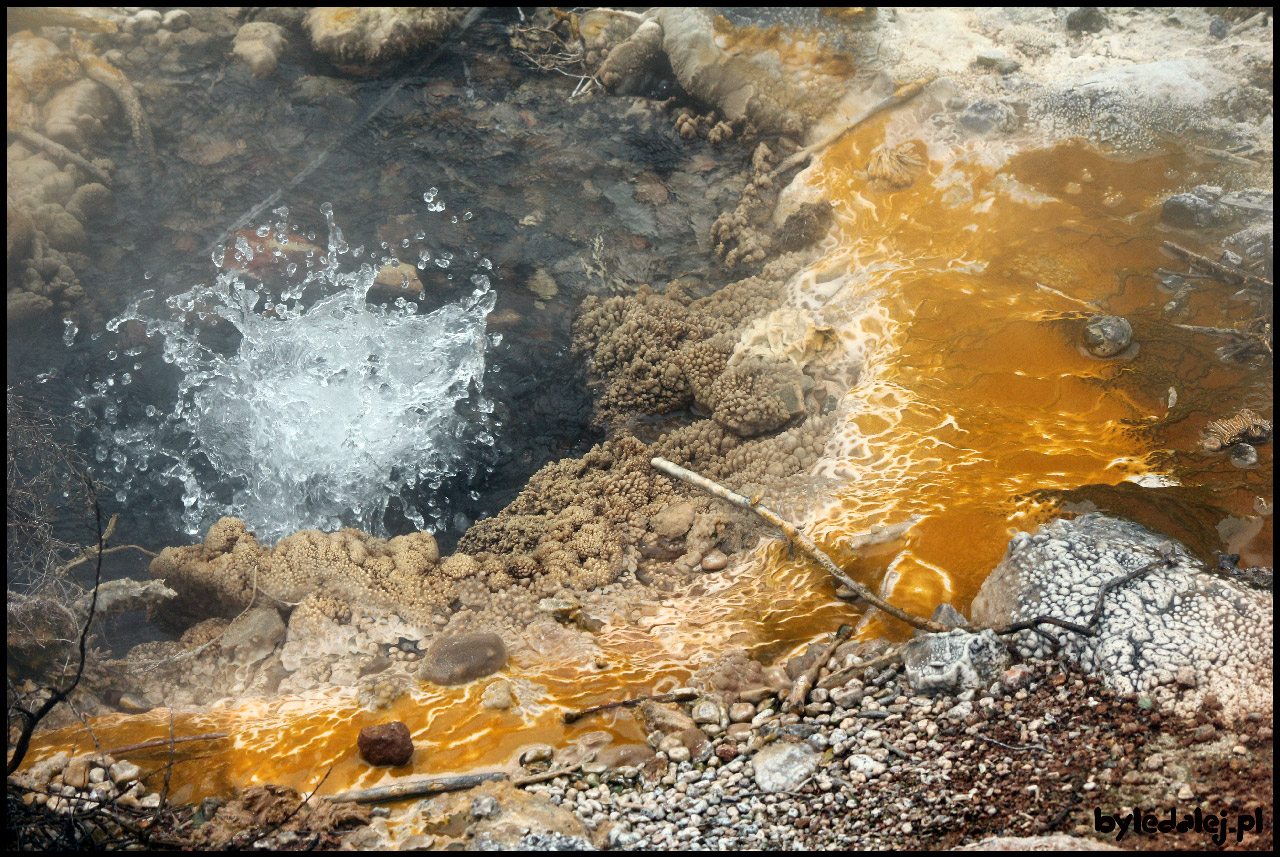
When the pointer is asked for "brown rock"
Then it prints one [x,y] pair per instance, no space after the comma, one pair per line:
[386,744]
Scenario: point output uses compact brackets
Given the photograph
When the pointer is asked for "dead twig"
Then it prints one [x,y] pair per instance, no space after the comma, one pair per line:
[1226,273]
[841,678]
[800,540]
[61,152]
[546,775]
[415,788]
[678,696]
[1090,629]
[902,95]
[800,690]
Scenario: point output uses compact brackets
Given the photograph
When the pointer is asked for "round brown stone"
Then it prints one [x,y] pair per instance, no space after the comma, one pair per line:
[385,744]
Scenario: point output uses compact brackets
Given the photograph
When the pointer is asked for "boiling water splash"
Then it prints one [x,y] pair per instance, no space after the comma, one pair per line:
[320,415]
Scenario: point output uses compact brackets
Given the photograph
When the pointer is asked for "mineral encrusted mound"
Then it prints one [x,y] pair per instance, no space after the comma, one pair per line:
[1176,633]
[458,660]
[954,662]
[386,744]
[362,35]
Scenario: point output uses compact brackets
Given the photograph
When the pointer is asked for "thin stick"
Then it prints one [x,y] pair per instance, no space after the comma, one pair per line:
[678,696]
[415,788]
[901,96]
[61,152]
[800,690]
[1091,629]
[547,775]
[800,540]
[841,678]
[1227,273]
[162,742]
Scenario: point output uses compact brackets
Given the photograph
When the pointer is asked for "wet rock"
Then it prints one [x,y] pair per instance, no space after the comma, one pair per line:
[1086,19]
[741,712]
[783,766]
[996,59]
[674,521]
[498,696]
[630,67]
[258,45]
[176,20]
[1218,28]
[987,117]
[954,662]
[714,561]
[1244,456]
[356,37]
[253,636]
[76,114]
[147,20]
[1106,335]
[1198,209]
[537,753]
[458,660]
[386,744]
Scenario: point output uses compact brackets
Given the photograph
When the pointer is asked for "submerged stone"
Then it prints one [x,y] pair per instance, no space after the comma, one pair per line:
[458,660]
[1107,335]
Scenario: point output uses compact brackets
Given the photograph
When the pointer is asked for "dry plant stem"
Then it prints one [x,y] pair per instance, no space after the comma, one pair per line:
[1227,273]
[61,152]
[546,775]
[31,719]
[678,696]
[902,95]
[415,788]
[799,539]
[839,679]
[800,690]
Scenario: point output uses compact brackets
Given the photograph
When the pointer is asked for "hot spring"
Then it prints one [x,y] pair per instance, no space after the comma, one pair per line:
[299,403]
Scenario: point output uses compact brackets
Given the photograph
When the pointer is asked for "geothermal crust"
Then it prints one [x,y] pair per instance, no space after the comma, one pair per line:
[1177,634]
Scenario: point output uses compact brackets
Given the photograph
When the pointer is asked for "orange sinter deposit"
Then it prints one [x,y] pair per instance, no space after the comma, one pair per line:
[912,389]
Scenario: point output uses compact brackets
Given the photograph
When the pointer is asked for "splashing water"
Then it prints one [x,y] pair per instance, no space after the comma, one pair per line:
[320,416]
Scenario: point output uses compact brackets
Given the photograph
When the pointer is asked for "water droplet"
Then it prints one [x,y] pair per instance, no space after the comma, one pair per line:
[430,194]
[146,275]
[112,355]
[420,235]
[263,231]
[466,215]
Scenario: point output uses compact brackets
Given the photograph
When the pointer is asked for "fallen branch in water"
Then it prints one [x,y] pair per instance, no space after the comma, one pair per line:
[800,690]
[415,788]
[61,152]
[1227,273]
[550,774]
[800,540]
[164,742]
[677,696]
[902,95]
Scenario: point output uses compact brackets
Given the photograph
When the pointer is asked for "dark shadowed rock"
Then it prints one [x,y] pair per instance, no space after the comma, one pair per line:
[385,744]
[458,660]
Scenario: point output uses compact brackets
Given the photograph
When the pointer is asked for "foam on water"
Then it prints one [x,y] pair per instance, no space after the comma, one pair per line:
[316,414]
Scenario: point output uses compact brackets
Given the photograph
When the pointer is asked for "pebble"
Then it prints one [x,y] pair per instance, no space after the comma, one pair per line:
[1107,335]
[714,561]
